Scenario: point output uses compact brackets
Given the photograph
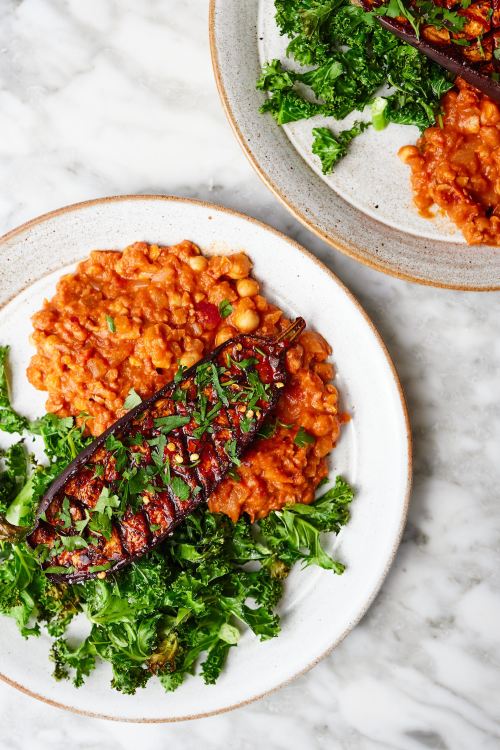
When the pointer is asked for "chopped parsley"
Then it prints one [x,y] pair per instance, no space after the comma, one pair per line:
[102,512]
[180,488]
[303,438]
[167,424]
[99,568]
[54,569]
[217,385]
[420,13]
[64,513]
[179,374]
[118,450]
[244,364]
[71,543]
[246,424]
[258,391]
[231,448]
[225,308]
[111,323]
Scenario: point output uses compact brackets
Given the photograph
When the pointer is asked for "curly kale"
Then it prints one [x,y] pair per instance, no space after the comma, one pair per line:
[349,57]
[180,608]
[331,148]
[10,420]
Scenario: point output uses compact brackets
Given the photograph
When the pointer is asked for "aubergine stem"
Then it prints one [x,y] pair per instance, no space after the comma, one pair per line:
[292,332]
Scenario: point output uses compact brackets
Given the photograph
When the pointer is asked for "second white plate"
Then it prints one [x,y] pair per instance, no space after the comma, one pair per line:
[365,208]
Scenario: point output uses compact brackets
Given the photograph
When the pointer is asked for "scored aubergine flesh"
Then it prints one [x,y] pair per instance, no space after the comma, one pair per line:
[137,481]
[473,52]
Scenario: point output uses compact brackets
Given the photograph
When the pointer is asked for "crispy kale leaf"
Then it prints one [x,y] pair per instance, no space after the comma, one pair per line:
[14,475]
[22,481]
[331,148]
[10,420]
[28,596]
[294,533]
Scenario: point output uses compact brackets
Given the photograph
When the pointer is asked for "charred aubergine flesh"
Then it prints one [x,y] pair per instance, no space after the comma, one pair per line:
[135,483]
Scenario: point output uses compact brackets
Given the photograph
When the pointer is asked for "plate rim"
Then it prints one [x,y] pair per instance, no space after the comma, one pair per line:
[74,207]
[332,239]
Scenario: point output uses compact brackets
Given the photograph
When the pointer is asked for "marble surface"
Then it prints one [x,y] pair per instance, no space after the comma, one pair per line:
[116,96]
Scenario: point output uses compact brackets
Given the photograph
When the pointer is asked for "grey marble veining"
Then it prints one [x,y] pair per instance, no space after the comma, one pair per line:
[116,96]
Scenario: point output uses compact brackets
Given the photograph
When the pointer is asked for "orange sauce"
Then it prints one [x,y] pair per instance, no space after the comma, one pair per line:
[457,167]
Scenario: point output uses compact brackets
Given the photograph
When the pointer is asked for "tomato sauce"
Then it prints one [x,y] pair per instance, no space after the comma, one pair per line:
[456,167]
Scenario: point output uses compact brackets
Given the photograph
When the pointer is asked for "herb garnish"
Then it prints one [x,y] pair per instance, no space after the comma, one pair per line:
[217,385]
[180,488]
[172,422]
[118,451]
[111,323]
[64,514]
[102,512]
[225,308]
[303,438]
[231,448]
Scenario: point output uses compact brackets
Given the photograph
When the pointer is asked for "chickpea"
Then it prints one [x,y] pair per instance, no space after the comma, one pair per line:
[490,136]
[189,359]
[224,334]
[490,114]
[198,263]
[240,266]
[407,152]
[247,287]
[470,124]
[246,320]
[154,252]
[438,36]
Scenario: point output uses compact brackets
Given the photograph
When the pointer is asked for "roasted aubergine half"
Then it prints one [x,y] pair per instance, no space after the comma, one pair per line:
[130,488]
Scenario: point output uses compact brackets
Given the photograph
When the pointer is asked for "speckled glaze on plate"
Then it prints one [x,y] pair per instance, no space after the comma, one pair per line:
[373,453]
[365,208]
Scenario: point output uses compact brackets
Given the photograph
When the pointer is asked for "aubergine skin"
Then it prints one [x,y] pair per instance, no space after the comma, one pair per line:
[200,425]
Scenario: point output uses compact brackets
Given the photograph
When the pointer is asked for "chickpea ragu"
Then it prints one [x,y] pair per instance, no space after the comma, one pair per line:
[242,420]
[170,306]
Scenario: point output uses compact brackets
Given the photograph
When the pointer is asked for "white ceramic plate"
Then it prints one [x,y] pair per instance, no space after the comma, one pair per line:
[374,452]
[365,208]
